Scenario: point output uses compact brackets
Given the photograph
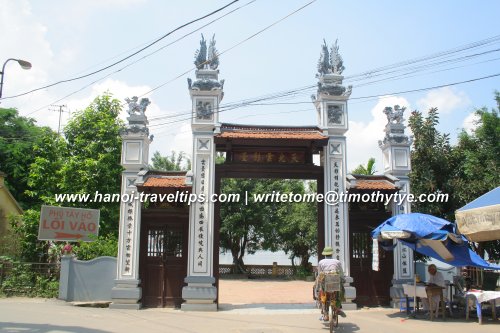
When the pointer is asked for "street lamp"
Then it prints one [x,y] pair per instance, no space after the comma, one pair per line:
[23,63]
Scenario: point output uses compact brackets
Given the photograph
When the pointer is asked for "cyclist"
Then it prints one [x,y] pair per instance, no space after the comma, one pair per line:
[328,265]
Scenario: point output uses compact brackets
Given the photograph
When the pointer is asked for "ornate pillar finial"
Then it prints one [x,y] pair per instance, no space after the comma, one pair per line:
[395,128]
[204,59]
[330,68]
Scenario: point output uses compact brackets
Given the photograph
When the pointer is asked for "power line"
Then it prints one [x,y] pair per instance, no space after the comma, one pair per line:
[359,98]
[127,57]
[354,78]
[361,76]
[441,54]
[301,90]
[238,44]
[142,58]
[235,106]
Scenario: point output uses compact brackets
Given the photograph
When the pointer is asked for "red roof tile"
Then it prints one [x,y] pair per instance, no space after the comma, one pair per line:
[236,131]
[173,182]
[365,184]
[299,135]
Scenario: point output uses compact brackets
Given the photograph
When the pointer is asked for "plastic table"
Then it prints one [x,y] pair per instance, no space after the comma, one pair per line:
[480,296]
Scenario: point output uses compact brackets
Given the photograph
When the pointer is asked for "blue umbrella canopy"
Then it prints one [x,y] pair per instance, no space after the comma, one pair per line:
[417,226]
[461,254]
[479,220]
[431,236]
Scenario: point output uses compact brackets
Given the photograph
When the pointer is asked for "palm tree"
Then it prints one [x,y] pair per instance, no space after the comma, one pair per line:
[368,170]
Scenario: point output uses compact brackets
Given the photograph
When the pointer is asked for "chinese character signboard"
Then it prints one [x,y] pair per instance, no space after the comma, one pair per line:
[269,157]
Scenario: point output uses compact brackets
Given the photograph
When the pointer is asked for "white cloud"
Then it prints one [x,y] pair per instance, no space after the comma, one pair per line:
[176,137]
[445,99]
[362,138]
[120,90]
[23,37]
[469,123]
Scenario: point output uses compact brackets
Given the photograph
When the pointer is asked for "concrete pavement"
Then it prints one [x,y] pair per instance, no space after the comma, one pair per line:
[41,315]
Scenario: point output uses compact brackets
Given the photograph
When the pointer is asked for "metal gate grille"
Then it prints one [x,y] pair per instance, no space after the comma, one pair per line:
[163,242]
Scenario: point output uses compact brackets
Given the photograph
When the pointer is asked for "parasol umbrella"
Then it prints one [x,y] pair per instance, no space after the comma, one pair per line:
[432,236]
[479,220]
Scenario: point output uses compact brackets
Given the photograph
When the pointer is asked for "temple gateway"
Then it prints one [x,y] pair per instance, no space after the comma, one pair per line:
[169,252]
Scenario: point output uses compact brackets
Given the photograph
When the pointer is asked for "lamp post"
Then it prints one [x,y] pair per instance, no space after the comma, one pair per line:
[23,63]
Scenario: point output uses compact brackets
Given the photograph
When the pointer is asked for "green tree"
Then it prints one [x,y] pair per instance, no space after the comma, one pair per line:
[270,225]
[240,222]
[44,177]
[298,230]
[93,157]
[479,153]
[433,164]
[86,162]
[464,172]
[368,170]
[19,136]
[25,228]
[479,169]
[174,162]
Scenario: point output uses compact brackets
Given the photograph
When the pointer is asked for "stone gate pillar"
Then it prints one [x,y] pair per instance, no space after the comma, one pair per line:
[206,94]
[396,156]
[127,293]
[331,105]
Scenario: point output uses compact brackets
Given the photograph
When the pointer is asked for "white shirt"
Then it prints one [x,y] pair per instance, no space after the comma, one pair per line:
[330,265]
[437,279]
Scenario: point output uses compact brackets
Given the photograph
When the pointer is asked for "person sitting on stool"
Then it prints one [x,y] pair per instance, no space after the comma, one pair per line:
[436,279]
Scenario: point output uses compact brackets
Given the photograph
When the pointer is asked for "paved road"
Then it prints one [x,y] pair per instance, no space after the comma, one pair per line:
[264,291]
[44,316]
[246,306]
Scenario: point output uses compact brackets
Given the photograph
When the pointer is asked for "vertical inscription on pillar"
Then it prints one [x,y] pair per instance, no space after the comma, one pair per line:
[129,239]
[406,258]
[201,234]
[405,264]
[338,214]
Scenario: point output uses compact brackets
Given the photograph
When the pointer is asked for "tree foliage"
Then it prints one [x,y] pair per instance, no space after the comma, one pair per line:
[432,164]
[479,153]
[369,169]
[174,162]
[464,171]
[479,168]
[19,136]
[269,225]
[86,160]
[298,230]
[93,157]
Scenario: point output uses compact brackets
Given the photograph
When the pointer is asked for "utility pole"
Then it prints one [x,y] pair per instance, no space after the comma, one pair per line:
[60,110]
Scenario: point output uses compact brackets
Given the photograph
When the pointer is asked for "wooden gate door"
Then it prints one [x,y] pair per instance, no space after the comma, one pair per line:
[372,287]
[163,261]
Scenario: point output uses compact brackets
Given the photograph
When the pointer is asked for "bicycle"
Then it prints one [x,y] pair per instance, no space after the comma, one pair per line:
[330,299]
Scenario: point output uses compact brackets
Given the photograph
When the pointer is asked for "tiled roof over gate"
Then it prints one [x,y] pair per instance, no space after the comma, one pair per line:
[373,182]
[232,131]
[374,185]
[165,181]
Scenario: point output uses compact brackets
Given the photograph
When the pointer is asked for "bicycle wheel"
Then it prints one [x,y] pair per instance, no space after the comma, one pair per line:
[334,318]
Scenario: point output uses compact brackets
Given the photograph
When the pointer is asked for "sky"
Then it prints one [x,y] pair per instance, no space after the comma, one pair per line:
[67,39]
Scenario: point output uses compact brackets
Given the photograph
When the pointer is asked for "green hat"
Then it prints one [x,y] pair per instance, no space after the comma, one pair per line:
[327,251]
